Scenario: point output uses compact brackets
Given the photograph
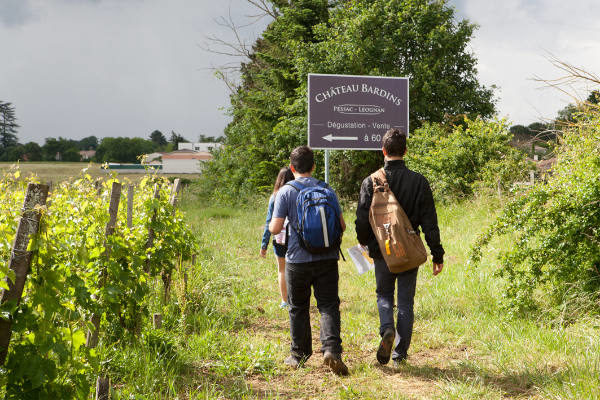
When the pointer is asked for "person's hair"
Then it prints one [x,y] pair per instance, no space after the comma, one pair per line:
[284,176]
[302,159]
[394,142]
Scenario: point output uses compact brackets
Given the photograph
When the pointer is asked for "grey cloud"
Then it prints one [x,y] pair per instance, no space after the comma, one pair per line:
[14,12]
[116,68]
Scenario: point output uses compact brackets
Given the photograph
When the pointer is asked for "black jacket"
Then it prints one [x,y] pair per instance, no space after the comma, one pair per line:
[414,195]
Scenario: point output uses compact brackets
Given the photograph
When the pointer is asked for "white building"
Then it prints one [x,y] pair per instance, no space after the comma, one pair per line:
[207,147]
[184,161]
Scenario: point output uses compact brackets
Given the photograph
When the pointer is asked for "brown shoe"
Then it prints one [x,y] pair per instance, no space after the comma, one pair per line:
[335,363]
[385,347]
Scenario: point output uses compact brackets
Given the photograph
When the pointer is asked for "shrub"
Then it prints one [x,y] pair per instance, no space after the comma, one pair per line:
[465,159]
[556,228]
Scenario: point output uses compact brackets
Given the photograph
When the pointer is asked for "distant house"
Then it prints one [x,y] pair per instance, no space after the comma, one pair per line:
[206,146]
[87,154]
[184,161]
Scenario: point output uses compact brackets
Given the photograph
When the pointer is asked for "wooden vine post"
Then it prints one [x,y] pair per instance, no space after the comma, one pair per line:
[103,382]
[113,209]
[150,240]
[20,258]
[102,388]
[157,320]
[130,190]
[175,193]
[157,317]
[166,277]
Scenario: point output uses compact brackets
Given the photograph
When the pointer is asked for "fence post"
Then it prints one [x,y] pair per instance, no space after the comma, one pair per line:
[113,209]
[150,229]
[157,320]
[20,258]
[102,388]
[175,192]
[130,190]
[98,186]
[166,277]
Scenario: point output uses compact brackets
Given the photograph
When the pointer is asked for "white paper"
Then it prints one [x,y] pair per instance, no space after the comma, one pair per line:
[360,258]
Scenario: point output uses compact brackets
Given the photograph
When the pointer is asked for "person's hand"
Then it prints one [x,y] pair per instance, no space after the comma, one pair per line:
[437,268]
[263,253]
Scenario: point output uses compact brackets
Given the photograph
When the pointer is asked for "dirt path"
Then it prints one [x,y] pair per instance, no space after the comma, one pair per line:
[314,381]
[424,376]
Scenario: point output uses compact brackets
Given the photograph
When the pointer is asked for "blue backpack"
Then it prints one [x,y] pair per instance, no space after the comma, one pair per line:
[319,227]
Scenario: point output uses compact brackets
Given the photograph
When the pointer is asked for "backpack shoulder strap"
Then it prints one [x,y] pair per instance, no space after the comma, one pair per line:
[322,184]
[296,185]
[379,179]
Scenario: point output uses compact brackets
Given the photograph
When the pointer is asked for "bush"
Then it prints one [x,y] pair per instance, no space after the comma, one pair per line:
[466,159]
[555,259]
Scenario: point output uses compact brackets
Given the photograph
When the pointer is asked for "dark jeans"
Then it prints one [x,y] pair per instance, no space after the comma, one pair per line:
[386,282]
[323,277]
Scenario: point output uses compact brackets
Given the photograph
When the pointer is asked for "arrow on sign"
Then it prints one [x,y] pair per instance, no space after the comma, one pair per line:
[331,138]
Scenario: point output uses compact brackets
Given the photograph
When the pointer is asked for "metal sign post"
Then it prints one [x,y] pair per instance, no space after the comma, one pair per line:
[327,166]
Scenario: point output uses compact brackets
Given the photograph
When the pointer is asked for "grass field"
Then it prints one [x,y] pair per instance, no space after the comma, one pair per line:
[231,337]
[54,172]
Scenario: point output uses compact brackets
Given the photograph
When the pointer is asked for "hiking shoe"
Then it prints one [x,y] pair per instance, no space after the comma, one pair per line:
[284,305]
[385,347]
[335,363]
[292,362]
[399,362]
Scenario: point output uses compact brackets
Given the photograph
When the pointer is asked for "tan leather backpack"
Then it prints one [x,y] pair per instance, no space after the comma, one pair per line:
[401,246]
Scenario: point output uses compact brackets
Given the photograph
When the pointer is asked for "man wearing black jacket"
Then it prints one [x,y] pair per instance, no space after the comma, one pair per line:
[414,195]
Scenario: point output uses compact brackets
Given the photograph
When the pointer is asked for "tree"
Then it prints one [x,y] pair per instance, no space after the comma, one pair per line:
[88,143]
[123,150]
[176,139]
[158,138]
[542,131]
[12,153]
[420,39]
[210,139]
[268,81]
[8,126]
[520,130]
[32,152]
[55,149]
[569,113]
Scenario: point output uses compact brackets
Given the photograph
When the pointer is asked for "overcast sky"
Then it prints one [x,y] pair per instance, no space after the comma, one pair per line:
[76,68]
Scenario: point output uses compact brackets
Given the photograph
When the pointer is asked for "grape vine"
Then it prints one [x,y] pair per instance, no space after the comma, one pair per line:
[77,271]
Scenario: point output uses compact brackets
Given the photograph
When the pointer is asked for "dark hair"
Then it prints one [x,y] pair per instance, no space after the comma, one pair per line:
[302,159]
[394,143]
[284,176]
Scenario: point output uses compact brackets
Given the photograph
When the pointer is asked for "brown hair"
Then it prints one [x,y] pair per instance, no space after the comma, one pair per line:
[302,159]
[284,176]
[394,143]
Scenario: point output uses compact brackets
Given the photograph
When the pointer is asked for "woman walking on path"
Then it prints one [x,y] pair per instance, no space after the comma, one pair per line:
[279,243]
